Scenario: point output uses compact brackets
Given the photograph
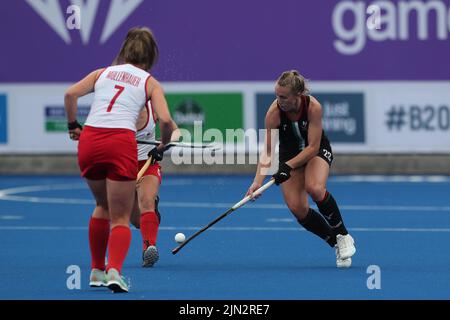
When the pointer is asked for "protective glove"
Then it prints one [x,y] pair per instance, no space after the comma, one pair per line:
[283,174]
[156,155]
[74,130]
[74,125]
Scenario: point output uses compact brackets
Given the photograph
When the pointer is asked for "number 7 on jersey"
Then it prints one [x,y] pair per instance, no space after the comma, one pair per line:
[113,100]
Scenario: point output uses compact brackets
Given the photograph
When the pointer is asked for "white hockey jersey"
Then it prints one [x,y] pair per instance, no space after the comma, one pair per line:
[120,93]
[147,132]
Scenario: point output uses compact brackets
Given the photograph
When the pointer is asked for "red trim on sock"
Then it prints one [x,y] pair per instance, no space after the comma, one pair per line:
[324,197]
[149,228]
[98,241]
[118,245]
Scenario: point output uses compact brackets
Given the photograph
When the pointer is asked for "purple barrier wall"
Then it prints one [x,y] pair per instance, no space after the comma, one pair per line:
[209,40]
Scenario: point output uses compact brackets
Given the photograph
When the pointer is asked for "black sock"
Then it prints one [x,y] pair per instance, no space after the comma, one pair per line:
[314,223]
[156,209]
[329,209]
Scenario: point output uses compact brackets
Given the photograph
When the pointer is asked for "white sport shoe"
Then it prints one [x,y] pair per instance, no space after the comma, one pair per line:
[115,281]
[345,245]
[342,263]
[97,278]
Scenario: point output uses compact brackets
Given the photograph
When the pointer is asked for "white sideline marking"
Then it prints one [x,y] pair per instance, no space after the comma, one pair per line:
[282,206]
[280,220]
[394,178]
[10,217]
[10,194]
[173,228]
[72,186]
[216,205]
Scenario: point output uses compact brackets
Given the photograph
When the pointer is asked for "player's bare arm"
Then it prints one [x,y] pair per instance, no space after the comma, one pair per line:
[79,89]
[161,108]
[176,133]
[272,122]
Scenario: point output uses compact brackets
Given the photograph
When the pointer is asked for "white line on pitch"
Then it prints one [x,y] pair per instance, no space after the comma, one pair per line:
[209,205]
[281,206]
[10,217]
[394,178]
[173,228]
[280,220]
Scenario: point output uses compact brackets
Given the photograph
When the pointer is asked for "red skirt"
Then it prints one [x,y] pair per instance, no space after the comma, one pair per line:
[107,153]
[152,170]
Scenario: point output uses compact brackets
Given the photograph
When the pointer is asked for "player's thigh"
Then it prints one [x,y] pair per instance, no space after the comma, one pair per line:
[98,189]
[294,193]
[121,195]
[316,176]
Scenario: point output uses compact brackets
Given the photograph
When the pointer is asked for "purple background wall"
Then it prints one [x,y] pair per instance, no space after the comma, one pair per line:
[209,40]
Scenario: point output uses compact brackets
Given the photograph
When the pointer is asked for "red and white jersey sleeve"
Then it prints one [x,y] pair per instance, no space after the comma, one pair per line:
[119,95]
[147,132]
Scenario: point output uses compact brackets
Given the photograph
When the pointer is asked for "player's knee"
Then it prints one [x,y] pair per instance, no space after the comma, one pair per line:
[315,190]
[147,204]
[101,211]
[299,210]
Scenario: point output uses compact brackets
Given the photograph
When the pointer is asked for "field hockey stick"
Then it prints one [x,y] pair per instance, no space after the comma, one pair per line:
[149,160]
[167,147]
[148,163]
[144,168]
[233,208]
[179,144]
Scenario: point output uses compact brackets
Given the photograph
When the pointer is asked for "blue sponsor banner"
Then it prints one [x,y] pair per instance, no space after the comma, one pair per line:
[343,115]
[56,120]
[3,119]
[60,112]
